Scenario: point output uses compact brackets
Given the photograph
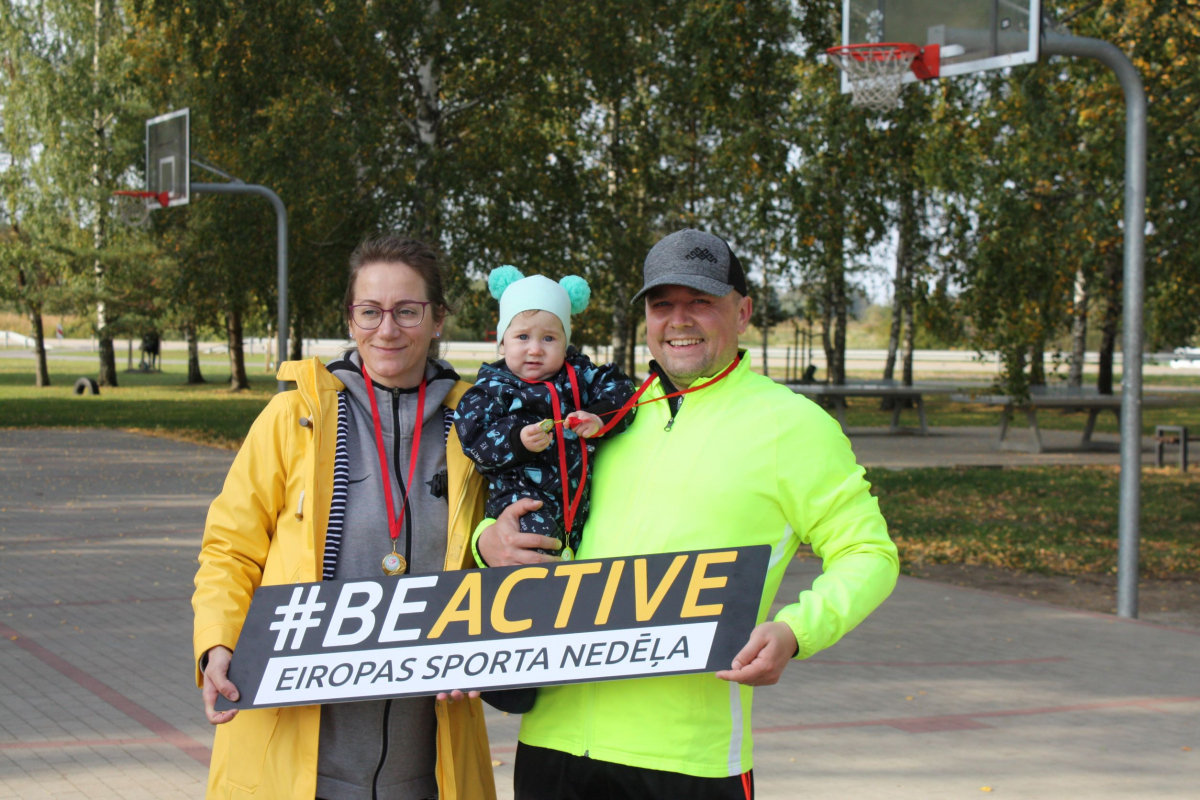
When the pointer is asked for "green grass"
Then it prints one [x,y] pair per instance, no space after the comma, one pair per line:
[161,403]
[941,412]
[1052,519]
[158,403]
[1047,519]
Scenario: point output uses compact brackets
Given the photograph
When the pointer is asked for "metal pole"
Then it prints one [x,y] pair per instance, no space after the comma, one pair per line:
[281,230]
[1134,296]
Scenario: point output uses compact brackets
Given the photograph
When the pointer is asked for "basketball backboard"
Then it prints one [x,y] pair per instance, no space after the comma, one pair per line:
[974,35]
[168,156]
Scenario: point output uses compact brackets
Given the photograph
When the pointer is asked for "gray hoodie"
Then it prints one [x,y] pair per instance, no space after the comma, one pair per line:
[387,748]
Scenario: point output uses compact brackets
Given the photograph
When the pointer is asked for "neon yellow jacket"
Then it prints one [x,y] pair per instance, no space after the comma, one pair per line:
[268,527]
[746,462]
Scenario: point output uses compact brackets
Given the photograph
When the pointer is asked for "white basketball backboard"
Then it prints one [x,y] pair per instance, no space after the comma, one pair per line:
[168,156]
[974,35]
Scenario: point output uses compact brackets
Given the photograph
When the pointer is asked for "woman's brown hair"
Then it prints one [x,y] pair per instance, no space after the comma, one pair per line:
[412,253]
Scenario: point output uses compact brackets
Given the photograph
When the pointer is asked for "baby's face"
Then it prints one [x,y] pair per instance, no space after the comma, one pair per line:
[534,346]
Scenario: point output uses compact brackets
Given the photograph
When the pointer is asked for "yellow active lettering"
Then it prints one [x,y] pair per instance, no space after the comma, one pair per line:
[646,608]
[610,592]
[470,589]
[699,583]
[574,573]
[499,622]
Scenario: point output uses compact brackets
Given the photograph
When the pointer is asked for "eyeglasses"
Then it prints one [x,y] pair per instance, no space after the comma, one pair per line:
[406,314]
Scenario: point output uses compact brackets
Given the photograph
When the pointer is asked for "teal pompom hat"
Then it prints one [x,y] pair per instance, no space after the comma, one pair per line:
[517,293]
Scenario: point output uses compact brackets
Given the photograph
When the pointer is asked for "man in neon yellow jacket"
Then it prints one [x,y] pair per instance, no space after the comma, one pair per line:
[743,461]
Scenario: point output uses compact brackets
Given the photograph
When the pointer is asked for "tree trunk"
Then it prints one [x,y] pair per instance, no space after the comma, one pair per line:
[296,345]
[42,372]
[108,361]
[796,341]
[1078,332]
[34,310]
[898,284]
[836,282]
[766,334]
[269,349]
[632,325]
[827,328]
[620,329]
[909,331]
[237,361]
[1037,363]
[193,345]
[889,366]
[1109,323]
[1014,361]
[429,121]
[839,337]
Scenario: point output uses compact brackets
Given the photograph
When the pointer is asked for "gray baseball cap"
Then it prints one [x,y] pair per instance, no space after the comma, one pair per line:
[694,259]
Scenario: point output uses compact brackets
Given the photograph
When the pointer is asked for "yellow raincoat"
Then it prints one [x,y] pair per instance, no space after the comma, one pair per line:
[268,527]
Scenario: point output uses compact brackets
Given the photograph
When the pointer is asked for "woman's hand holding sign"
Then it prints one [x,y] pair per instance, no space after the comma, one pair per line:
[762,661]
[216,681]
[502,544]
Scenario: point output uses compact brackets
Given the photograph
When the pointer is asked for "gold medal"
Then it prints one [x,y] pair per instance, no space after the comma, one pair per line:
[394,564]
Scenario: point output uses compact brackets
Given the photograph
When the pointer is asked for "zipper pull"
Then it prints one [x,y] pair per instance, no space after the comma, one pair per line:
[671,423]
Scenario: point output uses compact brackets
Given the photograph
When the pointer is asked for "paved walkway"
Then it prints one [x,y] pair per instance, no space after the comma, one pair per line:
[941,693]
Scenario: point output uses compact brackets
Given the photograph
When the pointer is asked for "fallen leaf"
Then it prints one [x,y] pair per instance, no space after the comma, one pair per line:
[985,788]
[496,762]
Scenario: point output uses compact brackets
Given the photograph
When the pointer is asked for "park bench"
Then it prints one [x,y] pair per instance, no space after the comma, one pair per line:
[900,395]
[1042,398]
[1171,434]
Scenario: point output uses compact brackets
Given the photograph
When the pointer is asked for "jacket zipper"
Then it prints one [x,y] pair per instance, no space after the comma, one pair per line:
[590,702]
[399,475]
[674,414]
[587,727]
[387,712]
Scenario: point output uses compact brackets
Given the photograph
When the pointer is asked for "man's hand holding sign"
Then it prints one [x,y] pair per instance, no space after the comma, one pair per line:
[568,622]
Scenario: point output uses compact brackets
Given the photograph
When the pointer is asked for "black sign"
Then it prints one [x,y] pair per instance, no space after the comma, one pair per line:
[563,622]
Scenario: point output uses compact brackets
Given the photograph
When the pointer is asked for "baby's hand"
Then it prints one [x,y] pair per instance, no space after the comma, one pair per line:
[584,424]
[535,439]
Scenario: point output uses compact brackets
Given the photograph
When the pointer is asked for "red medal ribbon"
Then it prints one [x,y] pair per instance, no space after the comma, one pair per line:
[633,403]
[569,506]
[395,522]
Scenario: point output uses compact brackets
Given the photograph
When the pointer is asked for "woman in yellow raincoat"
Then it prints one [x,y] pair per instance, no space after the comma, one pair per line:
[305,501]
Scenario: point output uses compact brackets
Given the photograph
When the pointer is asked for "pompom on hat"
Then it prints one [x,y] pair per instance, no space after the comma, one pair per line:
[517,293]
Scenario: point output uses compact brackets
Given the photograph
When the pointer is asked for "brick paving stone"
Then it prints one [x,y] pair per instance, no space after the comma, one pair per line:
[1032,700]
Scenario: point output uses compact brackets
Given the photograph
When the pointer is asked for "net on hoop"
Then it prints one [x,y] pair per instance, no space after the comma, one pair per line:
[875,71]
[133,208]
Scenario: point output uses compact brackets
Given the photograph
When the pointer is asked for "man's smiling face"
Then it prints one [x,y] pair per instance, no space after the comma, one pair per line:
[692,334]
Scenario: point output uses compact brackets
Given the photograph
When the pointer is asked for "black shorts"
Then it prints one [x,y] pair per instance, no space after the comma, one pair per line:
[544,774]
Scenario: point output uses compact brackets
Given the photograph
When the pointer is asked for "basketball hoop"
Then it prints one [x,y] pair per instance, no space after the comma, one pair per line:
[133,208]
[876,71]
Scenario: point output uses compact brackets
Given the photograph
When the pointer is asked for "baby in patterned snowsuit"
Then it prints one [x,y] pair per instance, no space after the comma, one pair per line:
[499,420]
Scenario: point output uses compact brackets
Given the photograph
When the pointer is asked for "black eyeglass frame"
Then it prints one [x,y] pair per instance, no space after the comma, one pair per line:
[392,311]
